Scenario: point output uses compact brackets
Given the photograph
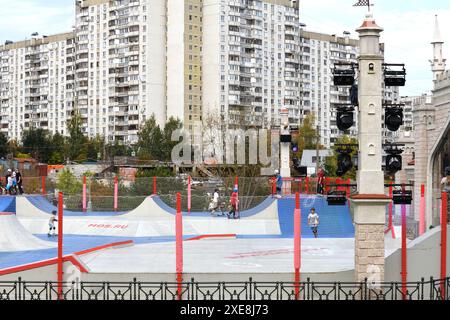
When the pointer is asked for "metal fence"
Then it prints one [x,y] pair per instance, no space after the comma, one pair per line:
[249,290]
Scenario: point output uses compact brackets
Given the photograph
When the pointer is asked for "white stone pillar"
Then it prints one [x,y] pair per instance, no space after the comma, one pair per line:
[370,202]
[285,149]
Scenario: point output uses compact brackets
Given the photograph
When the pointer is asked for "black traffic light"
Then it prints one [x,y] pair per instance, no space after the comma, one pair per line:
[344,75]
[337,198]
[393,117]
[345,163]
[393,160]
[345,118]
[402,196]
[394,78]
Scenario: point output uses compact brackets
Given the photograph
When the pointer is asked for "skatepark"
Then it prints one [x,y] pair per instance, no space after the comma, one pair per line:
[121,246]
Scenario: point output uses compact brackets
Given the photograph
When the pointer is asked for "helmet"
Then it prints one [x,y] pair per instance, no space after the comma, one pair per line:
[9,170]
[235,190]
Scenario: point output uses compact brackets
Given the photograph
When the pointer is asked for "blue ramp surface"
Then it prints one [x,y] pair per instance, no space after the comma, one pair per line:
[335,221]
[7,204]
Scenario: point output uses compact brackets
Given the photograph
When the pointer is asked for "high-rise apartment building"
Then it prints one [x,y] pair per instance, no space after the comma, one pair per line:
[250,61]
[36,77]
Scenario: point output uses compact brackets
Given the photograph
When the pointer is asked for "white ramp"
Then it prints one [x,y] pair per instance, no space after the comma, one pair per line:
[150,219]
[14,237]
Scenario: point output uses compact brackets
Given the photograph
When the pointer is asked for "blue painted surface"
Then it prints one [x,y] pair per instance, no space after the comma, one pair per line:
[243,214]
[7,204]
[335,221]
[71,244]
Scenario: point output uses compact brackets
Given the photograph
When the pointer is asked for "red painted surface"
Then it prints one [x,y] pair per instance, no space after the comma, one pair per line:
[212,236]
[444,225]
[179,245]
[154,185]
[6,213]
[60,244]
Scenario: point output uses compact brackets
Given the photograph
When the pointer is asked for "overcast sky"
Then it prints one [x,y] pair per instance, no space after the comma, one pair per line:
[408,26]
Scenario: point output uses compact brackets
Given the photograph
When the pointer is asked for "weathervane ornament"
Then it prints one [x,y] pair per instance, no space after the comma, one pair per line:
[363,3]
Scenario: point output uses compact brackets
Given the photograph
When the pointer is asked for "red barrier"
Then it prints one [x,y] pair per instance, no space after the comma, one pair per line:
[60,246]
[444,219]
[297,244]
[154,186]
[404,253]
[116,193]
[307,185]
[84,194]
[179,246]
[189,194]
[422,210]
[44,192]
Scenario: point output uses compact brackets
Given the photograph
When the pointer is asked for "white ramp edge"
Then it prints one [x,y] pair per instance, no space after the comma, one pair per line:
[14,237]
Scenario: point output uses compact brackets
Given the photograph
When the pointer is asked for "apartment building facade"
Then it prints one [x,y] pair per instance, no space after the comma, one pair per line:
[250,61]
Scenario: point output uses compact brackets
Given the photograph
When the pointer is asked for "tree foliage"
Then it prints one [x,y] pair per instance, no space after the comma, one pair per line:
[331,163]
[307,137]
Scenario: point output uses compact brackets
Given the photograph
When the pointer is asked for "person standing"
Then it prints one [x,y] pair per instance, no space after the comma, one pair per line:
[234,202]
[313,222]
[9,182]
[19,181]
[51,224]
[215,202]
[320,181]
[279,183]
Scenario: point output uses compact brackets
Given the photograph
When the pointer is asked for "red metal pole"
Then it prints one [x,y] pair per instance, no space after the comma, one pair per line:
[60,246]
[422,210]
[236,186]
[116,193]
[44,192]
[189,194]
[297,244]
[179,246]
[391,208]
[404,253]
[84,194]
[444,219]
[154,186]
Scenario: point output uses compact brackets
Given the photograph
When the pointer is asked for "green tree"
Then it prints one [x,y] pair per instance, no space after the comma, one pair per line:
[68,183]
[3,145]
[76,140]
[307,137]
[58,148]
[37,142]
[331,163]
[150,141]
[167,143]
[94,147]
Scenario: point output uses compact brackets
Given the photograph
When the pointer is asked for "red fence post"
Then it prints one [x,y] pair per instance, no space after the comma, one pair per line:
[116,193]
[154,186]
[179,246]
[390,209]
[236,186]
[84,194]
[422,210]
[60,246]
[404,253]
[297,244]
[444,218]
[44,192]
[189,194]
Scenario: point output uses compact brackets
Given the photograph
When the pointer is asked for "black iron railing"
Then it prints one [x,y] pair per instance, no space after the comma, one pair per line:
[248,290]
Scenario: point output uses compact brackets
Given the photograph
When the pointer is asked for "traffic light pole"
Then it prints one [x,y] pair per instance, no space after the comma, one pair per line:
[370,202]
